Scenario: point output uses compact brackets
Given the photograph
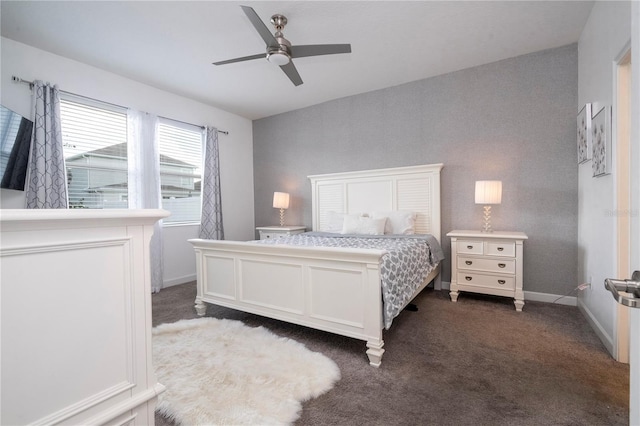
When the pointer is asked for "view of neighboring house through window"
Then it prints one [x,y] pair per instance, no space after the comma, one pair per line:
[95,149]
[180,147]
[94,138]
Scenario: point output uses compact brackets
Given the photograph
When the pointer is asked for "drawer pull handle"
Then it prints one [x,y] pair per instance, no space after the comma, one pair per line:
[501,265]
[501,281]
[469,247]
[467,278]
[468,262]
[500,248]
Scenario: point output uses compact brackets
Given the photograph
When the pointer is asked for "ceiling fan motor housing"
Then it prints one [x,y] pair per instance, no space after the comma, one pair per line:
[280,55]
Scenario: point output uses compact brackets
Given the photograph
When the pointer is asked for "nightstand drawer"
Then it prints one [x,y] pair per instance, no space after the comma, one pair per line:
[268,232]
[266,235]
[500,248]
[481,280]
[469,247]
[504,266]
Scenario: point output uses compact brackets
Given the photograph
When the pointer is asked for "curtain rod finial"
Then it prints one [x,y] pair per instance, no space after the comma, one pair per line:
[20,80]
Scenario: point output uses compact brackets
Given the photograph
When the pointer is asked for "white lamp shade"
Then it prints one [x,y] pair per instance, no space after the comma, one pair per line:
[488,192]
[280,200]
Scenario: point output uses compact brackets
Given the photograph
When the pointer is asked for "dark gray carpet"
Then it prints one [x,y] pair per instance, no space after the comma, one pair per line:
[475,362]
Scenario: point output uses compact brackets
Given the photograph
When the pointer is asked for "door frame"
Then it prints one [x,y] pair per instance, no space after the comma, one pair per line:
[622,137]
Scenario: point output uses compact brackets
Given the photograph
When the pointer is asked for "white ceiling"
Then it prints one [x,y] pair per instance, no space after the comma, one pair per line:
[171,44]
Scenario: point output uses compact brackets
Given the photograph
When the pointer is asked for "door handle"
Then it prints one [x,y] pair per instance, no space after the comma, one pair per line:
[625,292]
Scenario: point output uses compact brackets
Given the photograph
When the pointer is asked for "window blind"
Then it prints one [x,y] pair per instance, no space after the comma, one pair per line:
[95,151]
[180,148]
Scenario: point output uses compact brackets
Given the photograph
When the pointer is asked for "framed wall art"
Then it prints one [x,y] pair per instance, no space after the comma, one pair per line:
[584,134]
[601,142]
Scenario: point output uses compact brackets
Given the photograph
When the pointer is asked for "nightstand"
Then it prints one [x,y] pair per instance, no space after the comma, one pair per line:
[279,231]
[489,263]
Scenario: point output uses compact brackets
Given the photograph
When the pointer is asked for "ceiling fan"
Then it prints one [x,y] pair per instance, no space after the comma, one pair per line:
[280,51]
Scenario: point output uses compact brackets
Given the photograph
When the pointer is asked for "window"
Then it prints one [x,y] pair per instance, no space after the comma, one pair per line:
[94,136]
[95,150]
[180,147]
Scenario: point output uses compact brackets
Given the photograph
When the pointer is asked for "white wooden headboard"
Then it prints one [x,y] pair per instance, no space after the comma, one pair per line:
[412,188]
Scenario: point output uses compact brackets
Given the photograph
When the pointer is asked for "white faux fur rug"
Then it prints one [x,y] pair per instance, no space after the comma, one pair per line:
[221,372]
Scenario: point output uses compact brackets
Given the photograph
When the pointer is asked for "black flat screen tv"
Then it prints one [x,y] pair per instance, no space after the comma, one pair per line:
[15,143]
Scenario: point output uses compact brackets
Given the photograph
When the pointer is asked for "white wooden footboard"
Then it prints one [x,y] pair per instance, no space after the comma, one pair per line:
[331,289]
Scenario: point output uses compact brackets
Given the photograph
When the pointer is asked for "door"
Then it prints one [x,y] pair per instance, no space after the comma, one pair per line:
[627,104]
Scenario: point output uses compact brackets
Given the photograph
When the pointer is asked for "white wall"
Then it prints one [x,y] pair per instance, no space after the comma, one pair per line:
[606,33]
[236,149]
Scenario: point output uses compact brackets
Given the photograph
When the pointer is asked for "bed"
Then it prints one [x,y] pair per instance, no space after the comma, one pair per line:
[334,289]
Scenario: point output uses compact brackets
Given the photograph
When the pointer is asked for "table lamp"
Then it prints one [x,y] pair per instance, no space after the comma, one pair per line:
[488,192]
[281,201]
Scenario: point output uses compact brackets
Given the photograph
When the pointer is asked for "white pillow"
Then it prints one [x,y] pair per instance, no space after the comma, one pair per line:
[335,221]
[398,222]
[363,225]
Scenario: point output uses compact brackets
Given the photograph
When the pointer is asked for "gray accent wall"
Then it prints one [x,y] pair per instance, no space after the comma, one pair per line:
[513,120]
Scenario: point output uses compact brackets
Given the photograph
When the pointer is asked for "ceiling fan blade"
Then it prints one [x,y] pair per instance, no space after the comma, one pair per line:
[319,49]
[291,72]
[262,29]
[244,58]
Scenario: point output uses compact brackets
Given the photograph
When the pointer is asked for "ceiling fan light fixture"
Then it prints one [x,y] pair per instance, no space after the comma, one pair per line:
[278,58]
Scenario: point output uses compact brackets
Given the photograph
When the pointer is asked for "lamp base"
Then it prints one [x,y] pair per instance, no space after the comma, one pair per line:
[281,217]
[486,220]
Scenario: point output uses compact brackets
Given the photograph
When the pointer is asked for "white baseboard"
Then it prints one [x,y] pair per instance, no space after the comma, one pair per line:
[535,296]
[551,298]
[607,340]
[178,281]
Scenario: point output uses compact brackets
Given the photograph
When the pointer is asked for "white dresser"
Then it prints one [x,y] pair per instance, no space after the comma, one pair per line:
[76,317]
[279,231]
[489,263]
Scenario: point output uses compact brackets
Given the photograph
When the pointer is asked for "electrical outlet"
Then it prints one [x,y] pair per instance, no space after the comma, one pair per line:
[584,286]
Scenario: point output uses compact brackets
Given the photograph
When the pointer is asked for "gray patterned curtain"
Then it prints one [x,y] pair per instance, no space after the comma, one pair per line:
[211,217]
[47,186]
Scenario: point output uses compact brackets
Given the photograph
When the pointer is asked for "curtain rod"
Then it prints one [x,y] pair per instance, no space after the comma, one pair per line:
[30,83]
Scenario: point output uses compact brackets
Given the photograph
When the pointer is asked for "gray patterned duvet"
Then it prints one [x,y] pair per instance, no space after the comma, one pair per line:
[409,259]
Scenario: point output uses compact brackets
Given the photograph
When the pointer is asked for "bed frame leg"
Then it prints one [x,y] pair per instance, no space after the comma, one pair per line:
[375,352]
[201,308]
